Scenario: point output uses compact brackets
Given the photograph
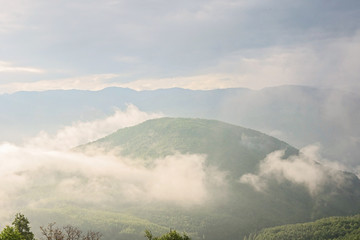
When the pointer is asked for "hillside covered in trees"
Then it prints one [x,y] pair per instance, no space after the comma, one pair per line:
[207,178]
[332,228]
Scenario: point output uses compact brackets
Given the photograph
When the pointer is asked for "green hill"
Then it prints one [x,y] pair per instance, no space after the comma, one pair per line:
[227,146]
[344,228]
[233,210]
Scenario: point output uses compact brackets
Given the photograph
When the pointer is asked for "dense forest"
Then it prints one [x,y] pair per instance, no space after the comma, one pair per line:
[344,228]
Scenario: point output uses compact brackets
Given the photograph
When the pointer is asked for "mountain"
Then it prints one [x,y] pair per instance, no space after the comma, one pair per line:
[345,228]
[296,114]
[229,147]
[234,209]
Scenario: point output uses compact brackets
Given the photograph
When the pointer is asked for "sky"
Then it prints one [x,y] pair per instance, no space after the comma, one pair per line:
[193,44]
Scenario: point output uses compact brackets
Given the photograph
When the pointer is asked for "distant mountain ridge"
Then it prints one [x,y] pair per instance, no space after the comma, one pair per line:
[296,114]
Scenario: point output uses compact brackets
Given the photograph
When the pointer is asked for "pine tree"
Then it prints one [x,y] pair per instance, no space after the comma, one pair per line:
[21,224]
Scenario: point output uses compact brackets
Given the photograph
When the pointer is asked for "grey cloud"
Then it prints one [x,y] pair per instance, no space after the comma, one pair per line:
[169,38]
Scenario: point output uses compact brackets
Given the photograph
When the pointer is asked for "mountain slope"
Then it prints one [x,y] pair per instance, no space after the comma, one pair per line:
[237,209]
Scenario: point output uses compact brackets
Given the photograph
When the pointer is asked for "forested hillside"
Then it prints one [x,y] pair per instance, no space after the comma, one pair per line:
[236,207]
[334,228]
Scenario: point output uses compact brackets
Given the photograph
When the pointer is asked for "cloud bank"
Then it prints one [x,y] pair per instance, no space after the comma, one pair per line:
[308,169]
[43,173]
[39,177]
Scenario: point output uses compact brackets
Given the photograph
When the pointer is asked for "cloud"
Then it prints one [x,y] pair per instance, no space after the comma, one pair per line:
[197,82]
[92,82]
[43,173]
[299,64]
[9,67]
[83,132]
[327,63]
[217,44]
[36,178]
[308,169]
[13,15]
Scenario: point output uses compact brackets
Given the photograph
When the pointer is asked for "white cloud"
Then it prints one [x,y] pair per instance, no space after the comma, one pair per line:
[13,15]
[197,82]
[326,63]
[201,44]
[9,67]
[308,169]
[34,178]
[92,82]
[306,64]
[43,172]
[83,132]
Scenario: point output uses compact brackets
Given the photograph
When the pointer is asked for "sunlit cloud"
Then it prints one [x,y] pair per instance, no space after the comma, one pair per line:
[197,82]
[9,67]
[302,64]
[92,82]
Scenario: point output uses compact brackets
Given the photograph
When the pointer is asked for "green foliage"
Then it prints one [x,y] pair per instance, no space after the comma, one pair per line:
[335,228]
[21,224]
[19,231]
[11,233]
[171,235]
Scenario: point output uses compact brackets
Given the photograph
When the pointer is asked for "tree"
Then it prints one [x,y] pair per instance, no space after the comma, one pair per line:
[72,233]
[21,224]
[91,235]
[67,233]
[52,233]
[171,235]
[10,233]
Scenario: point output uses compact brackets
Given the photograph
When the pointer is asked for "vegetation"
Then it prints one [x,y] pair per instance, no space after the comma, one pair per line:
[21,224]
[335,228]
[235,210]
[230,211]
[171,235]
[68,233]
[229,147]
[20,229]
[10,233]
